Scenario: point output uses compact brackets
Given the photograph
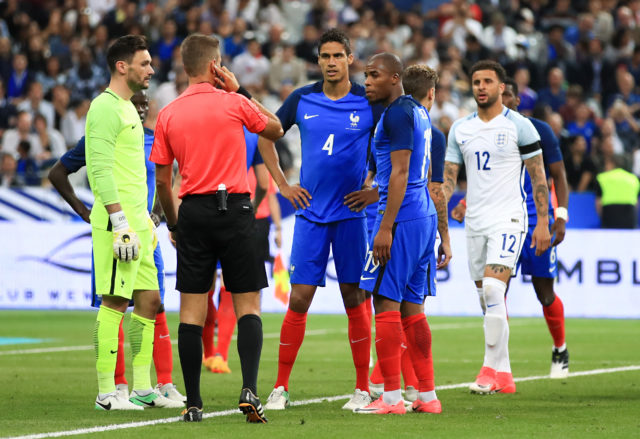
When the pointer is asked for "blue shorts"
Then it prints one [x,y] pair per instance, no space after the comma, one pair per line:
[96,300]
[545,265]
[410,273]
[310,250]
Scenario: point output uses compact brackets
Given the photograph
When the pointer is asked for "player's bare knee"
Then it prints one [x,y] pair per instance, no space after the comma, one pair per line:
[352,295]
[246,303]
[544,290]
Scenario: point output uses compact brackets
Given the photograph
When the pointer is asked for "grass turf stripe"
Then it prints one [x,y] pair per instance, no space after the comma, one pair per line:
[113,427]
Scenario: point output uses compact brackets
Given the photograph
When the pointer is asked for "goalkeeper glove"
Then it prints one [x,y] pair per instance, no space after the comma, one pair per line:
[126,245]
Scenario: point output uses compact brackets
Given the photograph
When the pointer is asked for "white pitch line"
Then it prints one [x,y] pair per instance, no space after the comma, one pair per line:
[112,427]
[312,332]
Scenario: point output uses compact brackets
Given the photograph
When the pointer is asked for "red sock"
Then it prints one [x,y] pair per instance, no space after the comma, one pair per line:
[226,323]
[291,336]
[209,328]
[554,315]
[408,374]
[119,374]
[376,374]
[360,340]
[388,340]
[162,351]
[367,303]
[418,336]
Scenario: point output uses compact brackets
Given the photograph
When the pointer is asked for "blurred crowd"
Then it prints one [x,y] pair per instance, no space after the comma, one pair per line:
[577,64]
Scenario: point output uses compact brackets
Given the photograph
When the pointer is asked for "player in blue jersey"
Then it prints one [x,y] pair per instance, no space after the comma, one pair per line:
[400,254]
[73,161]
[543,269]
[357,200]
[335,122]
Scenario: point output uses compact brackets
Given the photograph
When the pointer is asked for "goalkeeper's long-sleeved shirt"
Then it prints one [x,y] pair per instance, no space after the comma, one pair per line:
[115,160]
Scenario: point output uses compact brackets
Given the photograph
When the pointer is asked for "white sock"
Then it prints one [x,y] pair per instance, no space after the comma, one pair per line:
[102,396]
[561,348]
[496,327]
[392,397]
[143,392]
[427,396]
[483,305]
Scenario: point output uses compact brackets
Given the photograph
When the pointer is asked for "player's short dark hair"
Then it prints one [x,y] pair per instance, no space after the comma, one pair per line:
[335,36]
[418,79]
[197,52]
[124,48]
[487,64]
[514,85]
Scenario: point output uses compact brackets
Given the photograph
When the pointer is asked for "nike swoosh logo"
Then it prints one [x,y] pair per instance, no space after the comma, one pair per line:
[104,406]
[359,340]
[378,339]
[114,352]
[133,127]
[148,404]
[310,116]
[491,306]
[163,336]
[503,256]
[367,278]
[285,344]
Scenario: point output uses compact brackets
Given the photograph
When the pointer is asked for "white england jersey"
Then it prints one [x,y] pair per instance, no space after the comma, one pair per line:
[493,154]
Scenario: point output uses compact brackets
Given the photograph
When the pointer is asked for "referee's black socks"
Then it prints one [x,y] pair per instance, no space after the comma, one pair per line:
[249,349]
[190,351]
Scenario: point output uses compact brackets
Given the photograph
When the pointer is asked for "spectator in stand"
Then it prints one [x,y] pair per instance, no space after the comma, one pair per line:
[52,141]
[307,49]
[617,195]
[559,52]
[166,44]
[603,26]
[528,97]
[235,43]
[626,92]
[19,79]
[36,57]
[456,29]
[286,68]
[274,41]
[36,104]
[168,91]
[583,125]
[252,68]
[574,99]
[22,132]
[626,125]
[86,79]
[595,73]
[580,168]
[581,31]
[476,51]
[8,111]
[8,167]
[60,98]
[500,39]
[608,131]
[554,95]
[443,106]
[27,173]
[52,75]
[74,122]
[5,58]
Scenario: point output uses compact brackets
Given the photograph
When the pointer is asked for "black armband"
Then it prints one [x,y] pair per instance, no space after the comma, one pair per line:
[528,149]
[172,228]
[243,91]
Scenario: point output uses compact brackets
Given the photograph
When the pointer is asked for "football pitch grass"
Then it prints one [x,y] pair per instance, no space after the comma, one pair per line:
[48,388]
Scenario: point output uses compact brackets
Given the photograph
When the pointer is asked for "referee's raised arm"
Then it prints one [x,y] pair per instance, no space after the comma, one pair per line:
[203,130]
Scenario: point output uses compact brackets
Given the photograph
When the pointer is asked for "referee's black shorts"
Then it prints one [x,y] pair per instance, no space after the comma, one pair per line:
[205,236]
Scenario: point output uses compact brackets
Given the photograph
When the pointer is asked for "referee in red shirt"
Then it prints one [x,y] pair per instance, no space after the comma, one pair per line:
[202,130]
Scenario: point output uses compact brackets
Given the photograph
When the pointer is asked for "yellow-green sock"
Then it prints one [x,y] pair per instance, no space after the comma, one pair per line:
[105,341]
[141,339]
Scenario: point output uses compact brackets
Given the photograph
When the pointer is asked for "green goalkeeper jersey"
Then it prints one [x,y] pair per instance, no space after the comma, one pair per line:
[114,143]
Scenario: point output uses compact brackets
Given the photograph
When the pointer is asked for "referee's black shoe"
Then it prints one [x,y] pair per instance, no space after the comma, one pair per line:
[192,414]
[250,405]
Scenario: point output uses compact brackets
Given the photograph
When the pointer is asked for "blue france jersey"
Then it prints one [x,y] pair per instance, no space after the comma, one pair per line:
[550,153]
[253,155]
[74,159]
[335,141]
[405,124]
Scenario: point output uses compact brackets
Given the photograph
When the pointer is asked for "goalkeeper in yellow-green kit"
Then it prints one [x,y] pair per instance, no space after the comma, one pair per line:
[122,232]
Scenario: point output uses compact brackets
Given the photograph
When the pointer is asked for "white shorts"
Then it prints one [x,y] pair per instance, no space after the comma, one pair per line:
[500,248]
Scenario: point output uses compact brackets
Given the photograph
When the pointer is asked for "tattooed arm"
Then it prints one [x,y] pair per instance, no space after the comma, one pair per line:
[439,201]
[451,170]
[540,239]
